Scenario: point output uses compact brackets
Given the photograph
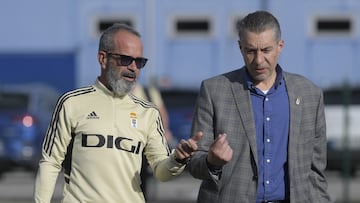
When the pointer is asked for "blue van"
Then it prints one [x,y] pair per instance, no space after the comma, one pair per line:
[25,112]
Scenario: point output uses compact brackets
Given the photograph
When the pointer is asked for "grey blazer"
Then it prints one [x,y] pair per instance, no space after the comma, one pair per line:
[224,106]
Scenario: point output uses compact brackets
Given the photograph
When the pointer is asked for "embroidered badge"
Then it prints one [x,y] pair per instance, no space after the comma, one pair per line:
[133,119]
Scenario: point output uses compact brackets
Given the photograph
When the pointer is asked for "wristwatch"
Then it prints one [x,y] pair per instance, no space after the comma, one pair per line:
[183,161]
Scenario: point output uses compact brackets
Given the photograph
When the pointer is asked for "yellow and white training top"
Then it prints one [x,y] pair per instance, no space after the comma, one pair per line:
[97,138]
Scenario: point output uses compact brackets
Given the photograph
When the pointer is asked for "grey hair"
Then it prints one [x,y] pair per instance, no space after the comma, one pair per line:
[258,22]
[107,38]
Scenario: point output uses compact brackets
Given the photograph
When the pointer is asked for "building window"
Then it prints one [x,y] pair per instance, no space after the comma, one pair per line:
[192,26]
[333,26]
[103,24]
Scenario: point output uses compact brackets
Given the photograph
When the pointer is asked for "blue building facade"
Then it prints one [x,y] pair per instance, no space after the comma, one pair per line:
[186,41]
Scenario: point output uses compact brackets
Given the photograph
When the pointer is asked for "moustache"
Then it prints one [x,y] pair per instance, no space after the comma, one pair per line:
[129,74]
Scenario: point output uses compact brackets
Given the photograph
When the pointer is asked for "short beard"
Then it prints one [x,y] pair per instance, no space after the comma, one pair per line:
[119,86]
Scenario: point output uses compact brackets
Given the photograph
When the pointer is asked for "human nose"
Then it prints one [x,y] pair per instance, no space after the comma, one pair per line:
[259,57]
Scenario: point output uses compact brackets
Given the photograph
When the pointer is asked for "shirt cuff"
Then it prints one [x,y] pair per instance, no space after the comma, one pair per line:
[178,162]
[215,171]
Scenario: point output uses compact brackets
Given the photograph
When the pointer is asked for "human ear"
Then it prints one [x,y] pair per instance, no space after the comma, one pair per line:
[102,59]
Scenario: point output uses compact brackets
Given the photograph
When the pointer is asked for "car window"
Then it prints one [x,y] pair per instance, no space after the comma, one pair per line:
[339,96]
[179,98]
[13,101]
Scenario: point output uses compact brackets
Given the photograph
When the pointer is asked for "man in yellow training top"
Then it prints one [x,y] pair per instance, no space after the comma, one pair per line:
[98,133]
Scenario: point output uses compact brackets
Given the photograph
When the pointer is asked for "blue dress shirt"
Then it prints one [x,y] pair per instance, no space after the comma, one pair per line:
[271,113]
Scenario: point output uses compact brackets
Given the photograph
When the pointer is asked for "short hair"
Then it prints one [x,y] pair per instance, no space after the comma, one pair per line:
[107,38]
[258,22]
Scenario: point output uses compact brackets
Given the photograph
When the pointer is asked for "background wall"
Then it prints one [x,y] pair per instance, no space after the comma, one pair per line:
[56,42]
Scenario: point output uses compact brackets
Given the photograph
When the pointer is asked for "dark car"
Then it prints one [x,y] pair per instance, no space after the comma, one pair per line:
[180,104]
[342,110]
[25,112]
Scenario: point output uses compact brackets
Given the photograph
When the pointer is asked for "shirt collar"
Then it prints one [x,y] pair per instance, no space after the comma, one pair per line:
[278,80]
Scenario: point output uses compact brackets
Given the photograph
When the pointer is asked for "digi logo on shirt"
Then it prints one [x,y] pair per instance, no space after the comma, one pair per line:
[120,143]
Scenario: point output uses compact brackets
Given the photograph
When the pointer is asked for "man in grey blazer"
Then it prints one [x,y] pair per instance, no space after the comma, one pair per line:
[264,131]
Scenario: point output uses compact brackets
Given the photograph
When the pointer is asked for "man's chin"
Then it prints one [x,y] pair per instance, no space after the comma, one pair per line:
[124,89]
[121,92]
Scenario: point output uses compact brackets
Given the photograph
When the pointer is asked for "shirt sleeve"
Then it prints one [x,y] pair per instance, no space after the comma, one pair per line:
[45,182]
[157,152]
[54,149]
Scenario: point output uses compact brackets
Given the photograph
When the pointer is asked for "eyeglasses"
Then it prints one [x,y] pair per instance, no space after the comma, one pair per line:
[124,60]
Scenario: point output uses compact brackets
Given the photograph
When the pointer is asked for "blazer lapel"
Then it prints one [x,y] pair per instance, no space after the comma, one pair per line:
[243,104]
